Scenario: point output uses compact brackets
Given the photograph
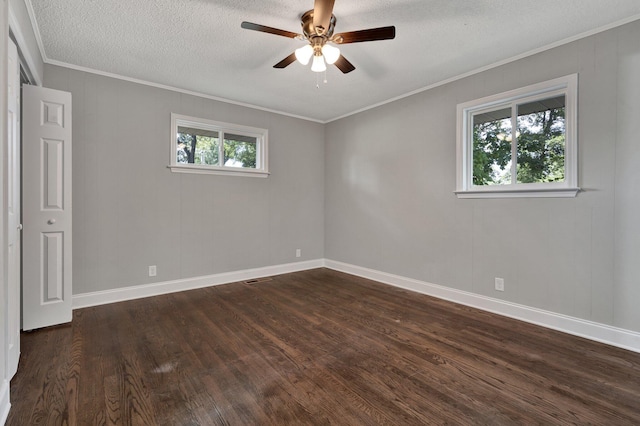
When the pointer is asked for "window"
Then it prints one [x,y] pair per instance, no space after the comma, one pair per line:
[204,146]
[521,143]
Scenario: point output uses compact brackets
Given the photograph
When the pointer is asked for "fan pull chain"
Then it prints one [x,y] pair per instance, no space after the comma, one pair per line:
[324,79]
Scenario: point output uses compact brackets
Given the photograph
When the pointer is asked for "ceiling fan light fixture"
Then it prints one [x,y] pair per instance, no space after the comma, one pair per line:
[303,54]
[318,64]
[330,53]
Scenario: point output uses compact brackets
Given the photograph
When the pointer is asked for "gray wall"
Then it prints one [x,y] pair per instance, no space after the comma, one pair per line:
[130,211]
[390,206]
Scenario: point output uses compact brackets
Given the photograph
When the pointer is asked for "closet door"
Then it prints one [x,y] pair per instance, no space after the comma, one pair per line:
[14,226]
[46,166]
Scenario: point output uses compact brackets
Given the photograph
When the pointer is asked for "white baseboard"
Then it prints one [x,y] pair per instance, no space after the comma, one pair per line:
[85,300]
[5,405]
[603,333]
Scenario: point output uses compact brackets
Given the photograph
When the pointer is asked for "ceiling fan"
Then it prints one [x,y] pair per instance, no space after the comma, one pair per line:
[317,28]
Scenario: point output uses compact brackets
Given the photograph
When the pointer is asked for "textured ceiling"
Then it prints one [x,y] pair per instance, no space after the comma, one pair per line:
[198,45]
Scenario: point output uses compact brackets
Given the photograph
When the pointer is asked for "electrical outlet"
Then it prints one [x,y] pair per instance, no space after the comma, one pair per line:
[152,271]
[298,252]
[499,284]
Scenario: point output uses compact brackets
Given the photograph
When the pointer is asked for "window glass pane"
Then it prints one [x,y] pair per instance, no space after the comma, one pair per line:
[492,147]
[240,151]
[541,141]
[197,146]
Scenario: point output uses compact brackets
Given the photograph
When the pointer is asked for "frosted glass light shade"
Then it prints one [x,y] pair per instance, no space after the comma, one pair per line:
[304,53]
[318,64]
[331,54]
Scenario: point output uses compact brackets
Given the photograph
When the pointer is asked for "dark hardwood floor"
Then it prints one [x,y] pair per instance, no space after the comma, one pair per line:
[315,347]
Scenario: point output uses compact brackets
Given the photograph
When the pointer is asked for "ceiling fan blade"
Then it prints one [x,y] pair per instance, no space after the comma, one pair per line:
[372,34]
[286,61]
[344,65]
[322,10]
[262,28]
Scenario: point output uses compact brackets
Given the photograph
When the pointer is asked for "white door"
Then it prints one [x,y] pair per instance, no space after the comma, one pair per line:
[46,207]
[13,210]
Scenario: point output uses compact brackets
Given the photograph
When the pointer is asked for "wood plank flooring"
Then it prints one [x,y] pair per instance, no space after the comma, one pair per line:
[315,347]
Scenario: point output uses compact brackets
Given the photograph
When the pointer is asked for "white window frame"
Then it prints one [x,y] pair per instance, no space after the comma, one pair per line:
[567,85]
[262,151]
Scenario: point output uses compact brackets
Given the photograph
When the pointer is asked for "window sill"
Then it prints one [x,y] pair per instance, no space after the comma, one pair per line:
[228,171]
[520,193]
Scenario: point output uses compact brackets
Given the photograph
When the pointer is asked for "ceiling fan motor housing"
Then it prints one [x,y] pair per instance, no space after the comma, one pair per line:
[310,31]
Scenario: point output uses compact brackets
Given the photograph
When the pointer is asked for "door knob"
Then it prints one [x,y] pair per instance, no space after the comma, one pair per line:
[19,227]
[51,221]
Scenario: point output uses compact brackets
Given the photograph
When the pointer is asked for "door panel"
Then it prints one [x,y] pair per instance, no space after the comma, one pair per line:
[53,174]
[53,264]
[47,239]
